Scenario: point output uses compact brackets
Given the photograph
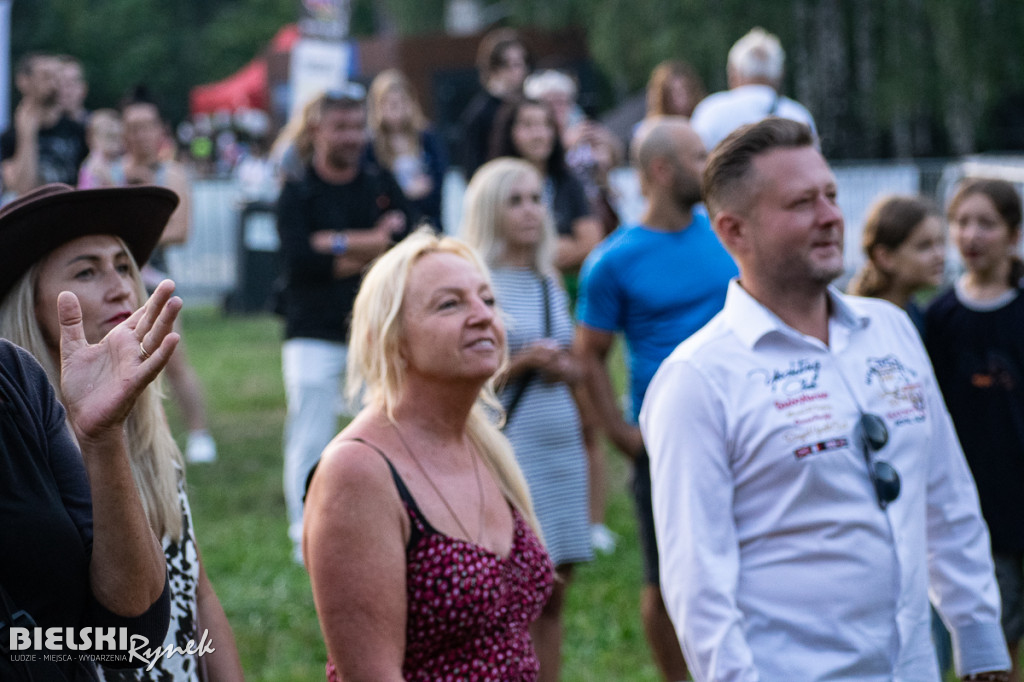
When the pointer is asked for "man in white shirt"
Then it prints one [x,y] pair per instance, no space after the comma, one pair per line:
[754,69]
[809,488]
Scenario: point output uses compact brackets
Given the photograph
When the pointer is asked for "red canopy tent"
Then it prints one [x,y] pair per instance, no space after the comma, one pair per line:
[247,87]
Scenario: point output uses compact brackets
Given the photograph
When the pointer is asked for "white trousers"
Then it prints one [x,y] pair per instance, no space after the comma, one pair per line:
[314,374]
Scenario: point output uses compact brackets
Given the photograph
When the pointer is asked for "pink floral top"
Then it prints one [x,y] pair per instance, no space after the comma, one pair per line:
[470,609]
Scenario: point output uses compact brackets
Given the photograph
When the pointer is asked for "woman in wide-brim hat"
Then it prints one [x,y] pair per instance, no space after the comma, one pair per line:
[92,242]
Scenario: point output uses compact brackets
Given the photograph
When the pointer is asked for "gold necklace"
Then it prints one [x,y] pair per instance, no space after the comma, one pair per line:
[479,489]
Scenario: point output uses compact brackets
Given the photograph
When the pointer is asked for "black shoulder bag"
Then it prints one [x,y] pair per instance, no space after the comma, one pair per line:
[528,376]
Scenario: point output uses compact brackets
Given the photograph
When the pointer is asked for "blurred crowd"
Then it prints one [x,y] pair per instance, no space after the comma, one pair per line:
[474,371]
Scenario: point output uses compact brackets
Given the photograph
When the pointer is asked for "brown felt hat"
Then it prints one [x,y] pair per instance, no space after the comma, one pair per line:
[35,224]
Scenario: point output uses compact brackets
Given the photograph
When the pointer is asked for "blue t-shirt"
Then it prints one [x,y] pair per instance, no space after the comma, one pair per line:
[657,288]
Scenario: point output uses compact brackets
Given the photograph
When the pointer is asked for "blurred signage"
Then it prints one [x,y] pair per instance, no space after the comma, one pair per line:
[324,19]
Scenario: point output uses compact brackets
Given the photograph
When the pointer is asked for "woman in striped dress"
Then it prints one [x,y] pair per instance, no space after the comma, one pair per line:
[505,219]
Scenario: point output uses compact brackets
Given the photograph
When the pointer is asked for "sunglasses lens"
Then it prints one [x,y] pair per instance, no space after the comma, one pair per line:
[887,481]
[875,433]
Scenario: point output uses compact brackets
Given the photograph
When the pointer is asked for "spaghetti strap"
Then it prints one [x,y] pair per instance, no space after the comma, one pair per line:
[420,525]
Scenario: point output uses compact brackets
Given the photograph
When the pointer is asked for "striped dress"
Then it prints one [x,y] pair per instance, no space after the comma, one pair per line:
[545,425]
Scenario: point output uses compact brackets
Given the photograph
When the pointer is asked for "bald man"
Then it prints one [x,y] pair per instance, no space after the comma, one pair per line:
[657,283]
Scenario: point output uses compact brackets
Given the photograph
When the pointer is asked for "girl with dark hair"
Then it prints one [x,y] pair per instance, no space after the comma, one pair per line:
[975,336]
[526,129]
[904,242]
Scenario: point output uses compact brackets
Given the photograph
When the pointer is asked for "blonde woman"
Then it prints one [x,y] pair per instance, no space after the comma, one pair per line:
[505,219]
[420,538]
[89,242]
[403,145]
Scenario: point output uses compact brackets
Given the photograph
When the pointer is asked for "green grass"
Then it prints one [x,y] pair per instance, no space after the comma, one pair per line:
[240,523]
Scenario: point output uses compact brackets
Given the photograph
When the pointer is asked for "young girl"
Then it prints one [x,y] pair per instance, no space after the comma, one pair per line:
[904,242]
[975,336]
[106,145]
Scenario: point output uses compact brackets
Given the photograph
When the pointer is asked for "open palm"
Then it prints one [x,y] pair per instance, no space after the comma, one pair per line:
[100,382]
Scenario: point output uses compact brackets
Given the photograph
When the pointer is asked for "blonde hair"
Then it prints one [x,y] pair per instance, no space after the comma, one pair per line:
[375,368]
[482,207]
[411,128]
[297,132]
[155,458]
[100,119]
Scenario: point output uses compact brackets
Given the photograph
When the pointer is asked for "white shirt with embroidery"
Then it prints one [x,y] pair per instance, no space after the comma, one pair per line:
[777,562]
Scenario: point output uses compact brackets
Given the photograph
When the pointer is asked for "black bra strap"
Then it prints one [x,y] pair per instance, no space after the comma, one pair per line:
[403,492]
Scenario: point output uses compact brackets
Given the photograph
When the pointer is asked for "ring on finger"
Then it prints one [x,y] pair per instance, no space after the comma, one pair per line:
[143,352]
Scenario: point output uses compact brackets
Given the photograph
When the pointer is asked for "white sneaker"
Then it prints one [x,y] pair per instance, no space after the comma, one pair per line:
[200,449]
[602,539]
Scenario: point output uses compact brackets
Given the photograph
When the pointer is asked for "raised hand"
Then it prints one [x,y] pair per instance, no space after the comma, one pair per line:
[101,382]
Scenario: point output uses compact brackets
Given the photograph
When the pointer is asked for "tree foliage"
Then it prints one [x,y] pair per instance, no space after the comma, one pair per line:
[882,77]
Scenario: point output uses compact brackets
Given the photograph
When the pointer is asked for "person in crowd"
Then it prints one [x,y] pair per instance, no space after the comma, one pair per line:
[975,336]
[90,241]
[42,145]
[505,220]
[905,245]
[755,68]
[503,63]
[145,162]
[657,283]
[292,149]
[559,91]
[674,89]
[421,542]
[526,129]
[591,149]
[86,556]
[403,145]
[105,135]
[809,489]
[72,88]
[341,214]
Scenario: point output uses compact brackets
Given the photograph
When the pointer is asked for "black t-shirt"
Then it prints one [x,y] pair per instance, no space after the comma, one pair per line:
[46,515]
[318,305]
[978,357]
[62,149]
[477,124]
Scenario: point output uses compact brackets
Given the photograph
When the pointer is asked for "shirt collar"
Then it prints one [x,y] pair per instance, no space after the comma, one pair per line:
[751,321]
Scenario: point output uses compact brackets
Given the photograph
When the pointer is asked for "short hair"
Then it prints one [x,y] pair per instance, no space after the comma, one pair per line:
[759,55]
[140,94]
[541,83]
[728,166]
[657,87]
[487,193]
[653,140]
[27,62]
[490,55]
